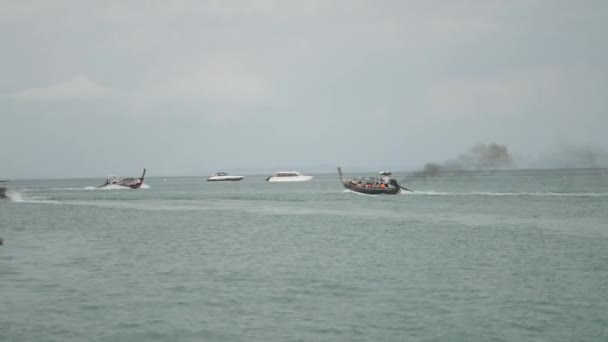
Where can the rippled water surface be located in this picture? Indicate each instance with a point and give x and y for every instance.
(488, 256)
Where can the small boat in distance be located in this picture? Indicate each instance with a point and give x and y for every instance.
(380, 185)
(224, 177)
(288, 176)
(133, 183)
(2, 189)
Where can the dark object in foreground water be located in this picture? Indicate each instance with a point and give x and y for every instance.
(372, 185)
(2, 190)
(1, 242)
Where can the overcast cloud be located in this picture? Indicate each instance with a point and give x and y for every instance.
(89, 88)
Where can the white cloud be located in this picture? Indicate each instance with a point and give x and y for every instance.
(215, 82)
(194, 71)
(78, 88)
(504, 93)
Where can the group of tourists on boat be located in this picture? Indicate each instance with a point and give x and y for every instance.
(370, 183)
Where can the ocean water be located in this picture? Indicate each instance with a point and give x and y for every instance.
(479, 256)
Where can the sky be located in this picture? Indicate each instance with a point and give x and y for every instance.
(188, 87)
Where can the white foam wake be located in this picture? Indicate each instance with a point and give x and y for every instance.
(358, 193)
(15, 196)
(116, 187)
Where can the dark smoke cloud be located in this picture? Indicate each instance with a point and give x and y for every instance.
(480, 157)
(572, 156)
(430, 170)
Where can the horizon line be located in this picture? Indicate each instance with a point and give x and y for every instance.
(326, 173)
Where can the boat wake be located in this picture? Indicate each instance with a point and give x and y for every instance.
(108, 187)
(16, 196)
(116, 187)
(539, 194)
(347, 191)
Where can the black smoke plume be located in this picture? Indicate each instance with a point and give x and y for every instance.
(572, 156)
(480, 157)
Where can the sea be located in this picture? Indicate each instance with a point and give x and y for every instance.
(471, 256)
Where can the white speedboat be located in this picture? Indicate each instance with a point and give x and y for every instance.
(288, 176)
(224, 177)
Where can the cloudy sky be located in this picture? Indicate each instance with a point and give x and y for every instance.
(89, 88)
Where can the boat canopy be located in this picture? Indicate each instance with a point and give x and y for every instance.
(287, 174)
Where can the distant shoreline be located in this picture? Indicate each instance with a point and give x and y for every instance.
(408, 172)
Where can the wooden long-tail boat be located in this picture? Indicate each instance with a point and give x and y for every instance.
(379, 185)
(133, 183)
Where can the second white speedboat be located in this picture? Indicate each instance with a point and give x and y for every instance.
(288, 176)
(224, 177)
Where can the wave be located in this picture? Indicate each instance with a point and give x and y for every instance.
(481, 193)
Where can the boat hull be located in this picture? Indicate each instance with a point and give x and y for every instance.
(135, 184)
(372, 191)
(225, 178)
(289, 179)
